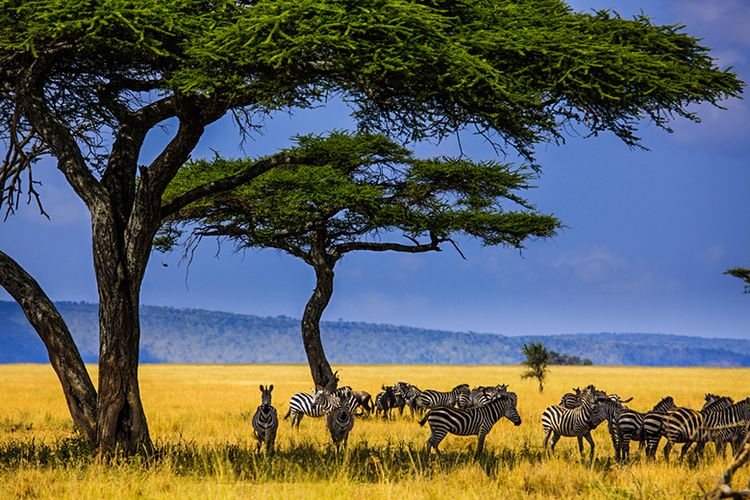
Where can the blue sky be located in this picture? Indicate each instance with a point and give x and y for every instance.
(648, 233)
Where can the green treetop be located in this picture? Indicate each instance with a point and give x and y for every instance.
(363, 192)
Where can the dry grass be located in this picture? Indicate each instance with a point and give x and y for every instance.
(199, 417)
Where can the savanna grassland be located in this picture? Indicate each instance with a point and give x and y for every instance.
(199, 416)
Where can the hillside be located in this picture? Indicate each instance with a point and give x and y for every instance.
(197, 336)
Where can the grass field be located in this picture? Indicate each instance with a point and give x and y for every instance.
(199, 417)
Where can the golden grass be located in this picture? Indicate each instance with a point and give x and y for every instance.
(199, 418)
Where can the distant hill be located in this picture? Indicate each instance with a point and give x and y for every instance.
(196, 336)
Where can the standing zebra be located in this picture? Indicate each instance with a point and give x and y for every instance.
(303, 403)
(724, 424)
(470, 422)
(265, 420)
(339, 419)
(630, 426)
(410, 393)
(571, 400)
(385, 401)
(685, 425)
(430, 399)
(558, 421)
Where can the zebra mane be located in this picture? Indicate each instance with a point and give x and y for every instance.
(718, 404)
(667, 401)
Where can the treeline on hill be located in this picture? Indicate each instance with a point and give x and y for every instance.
(196, 336)
(555, 358)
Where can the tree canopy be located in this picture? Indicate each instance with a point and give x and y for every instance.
(537, 359)
(364, 192)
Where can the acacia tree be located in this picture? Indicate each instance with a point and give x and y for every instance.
(367, 194)
(537, 359)
(85, 82)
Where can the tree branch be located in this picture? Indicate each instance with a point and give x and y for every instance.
(63, 353)
(432, 246)
(227, 183)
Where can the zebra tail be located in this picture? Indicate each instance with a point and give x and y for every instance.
(286, 417)
(424, 419)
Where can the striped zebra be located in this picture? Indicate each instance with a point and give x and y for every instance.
(630, 426)
(385, 401)
(481, 395)
(339, 419)
(470, 422)
(301, 404)
(430, 398)
(410, 393)
(608, 409)
(688, 426)
(725, 424)
(571, 400)
(265, 420)
(558, 421)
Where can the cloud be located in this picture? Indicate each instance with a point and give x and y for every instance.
(591, 265)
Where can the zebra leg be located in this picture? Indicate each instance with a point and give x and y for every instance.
(591, 443)
(480, 443)
(555, 439)
(435, 439)
(547, 434)
(667, 449)
(299, 418)
(625, 448)
(685, 449)
(580, 444)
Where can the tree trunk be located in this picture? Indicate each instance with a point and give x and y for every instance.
(121, 421)
(320, 369)
(44, 317)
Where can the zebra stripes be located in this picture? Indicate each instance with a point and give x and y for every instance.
(303, 403)
(265, 420)
(430, 398)
(469, 422)
(558, 421)
(631, 426)
(339, 419)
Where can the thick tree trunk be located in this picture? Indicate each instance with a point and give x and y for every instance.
(121, 421)
(63, 354)
(320, 369)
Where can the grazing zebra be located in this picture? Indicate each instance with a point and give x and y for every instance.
(688, 426)
(630, 426)
(558, 421)
(303, 403)
(384, 401)
(430, 398)
(410, 393)
(265, 420)
(470, 422)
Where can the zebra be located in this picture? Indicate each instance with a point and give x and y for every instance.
(339, 419)
(558, 421)
(630, 426)
(303, 403)
(725, 424)
(721, 437)
(365, 401)
(685, 425)
(265, 420)
(430, 398)
(384, 401)
(410, 393)
(470, 422)
(481, 395)
(608, 409)
(571, 400)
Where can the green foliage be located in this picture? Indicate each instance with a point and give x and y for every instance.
(555, 358)
(361, 188)
(520, 69)
(537, 359)
(741, 273)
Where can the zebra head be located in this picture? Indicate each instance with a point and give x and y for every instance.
(665, 404)
(605, 408)
(511, 412)
(326, 400)
(461, 389)
(265, 395)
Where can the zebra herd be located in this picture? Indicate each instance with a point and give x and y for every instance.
(461, 411)
(720, 420)
(473, 412)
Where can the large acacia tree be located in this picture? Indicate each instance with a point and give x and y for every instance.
(84, 82)
(365, 194)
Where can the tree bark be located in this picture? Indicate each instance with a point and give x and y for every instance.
(44, 317)
(320, 369)
(121, 420)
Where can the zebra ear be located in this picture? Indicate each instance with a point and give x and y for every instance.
(261, 388)
(270, 388)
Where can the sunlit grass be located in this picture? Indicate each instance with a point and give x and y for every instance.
(199, 417)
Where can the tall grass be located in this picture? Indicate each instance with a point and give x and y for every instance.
(199, 417)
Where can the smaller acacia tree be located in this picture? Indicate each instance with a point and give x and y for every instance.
(537, 359)
(365, 192)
